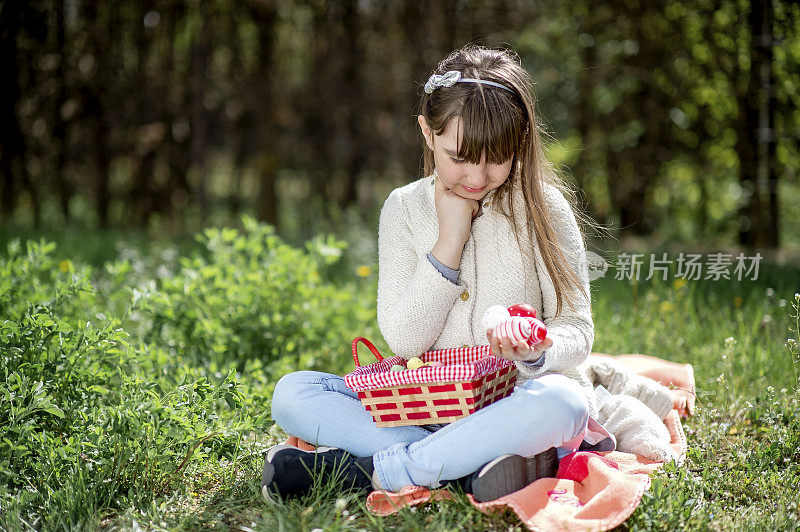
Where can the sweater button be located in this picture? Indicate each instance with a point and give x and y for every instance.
(464, 295)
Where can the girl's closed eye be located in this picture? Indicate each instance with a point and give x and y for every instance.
(457, 161)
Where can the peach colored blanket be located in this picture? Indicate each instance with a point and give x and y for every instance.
(592, 491)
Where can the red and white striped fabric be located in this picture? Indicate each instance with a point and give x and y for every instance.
(459, 364)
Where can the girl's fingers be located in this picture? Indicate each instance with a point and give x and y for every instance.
(475, 208)
(508, 349)
(523, 351)
(544, 344)
(440, 191)
(497, 347)
(504, 347)
(495, 343)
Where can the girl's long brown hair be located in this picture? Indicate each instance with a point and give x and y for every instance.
(504, 125)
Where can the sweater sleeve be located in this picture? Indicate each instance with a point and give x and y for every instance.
(572, 331)
(414, 299)
(449, 273)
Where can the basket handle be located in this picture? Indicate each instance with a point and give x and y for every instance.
(369, 345)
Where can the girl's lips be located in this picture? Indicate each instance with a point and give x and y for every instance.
(473, 190)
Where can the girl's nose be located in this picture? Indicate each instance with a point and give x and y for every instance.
(478, 177)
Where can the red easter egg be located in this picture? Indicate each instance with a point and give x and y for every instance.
(523, 309)
(538, 331)
(517, 329)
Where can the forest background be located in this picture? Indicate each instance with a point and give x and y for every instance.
(679, 121)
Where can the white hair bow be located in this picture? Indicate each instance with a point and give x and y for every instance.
(448, 79)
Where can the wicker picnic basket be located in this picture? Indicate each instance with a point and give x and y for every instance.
(469, 379)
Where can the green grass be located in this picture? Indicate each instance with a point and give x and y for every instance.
(742, 470)
(743, 466)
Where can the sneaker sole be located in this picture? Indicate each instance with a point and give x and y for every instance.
(543, 465)
(269, 471)
(509, 473)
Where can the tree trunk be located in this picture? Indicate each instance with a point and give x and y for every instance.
(266, 16)
(96, 112)
(102, 164)
(767, 139)
(176, 108)
(200, 51)
(755, 136)
(15, 18)
(449, 27)
(413, 19)
(58, 146)
(12, 143)
(322, 101)
(357, 103)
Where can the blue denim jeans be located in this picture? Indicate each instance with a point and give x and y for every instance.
(549, 411)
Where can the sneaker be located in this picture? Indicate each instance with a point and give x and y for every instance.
(509, 473)
(290, 472)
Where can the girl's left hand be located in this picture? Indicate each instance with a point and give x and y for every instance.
(523, 352)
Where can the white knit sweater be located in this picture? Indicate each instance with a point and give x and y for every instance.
(418, 309)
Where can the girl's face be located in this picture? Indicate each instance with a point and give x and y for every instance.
(470, 181)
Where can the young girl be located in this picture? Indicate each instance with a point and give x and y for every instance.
(488, 225)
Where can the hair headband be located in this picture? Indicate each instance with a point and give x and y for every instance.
(451, 77)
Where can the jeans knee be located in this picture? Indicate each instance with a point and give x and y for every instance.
(285, 400)
(568, 404)
(565, 403)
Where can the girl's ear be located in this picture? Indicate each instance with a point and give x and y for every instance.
(426, 131)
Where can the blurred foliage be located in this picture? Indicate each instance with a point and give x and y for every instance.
(82, 427)
(115, 382)
(250, 297)
(173, 116)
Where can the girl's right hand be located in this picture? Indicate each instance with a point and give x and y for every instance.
(455, 221)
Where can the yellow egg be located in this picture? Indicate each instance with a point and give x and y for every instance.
(414, 363)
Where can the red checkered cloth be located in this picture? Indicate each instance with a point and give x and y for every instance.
(460, 364)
